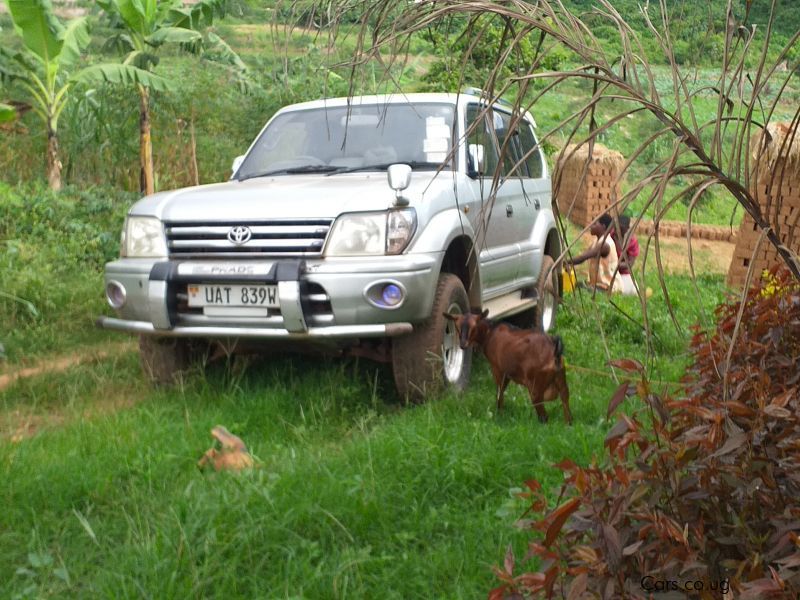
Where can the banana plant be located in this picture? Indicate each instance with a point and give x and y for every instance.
(49, 49)
(148, 25)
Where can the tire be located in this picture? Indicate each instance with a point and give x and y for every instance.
(166, 361)
(430, 359)
(543, 315)
(547, 290)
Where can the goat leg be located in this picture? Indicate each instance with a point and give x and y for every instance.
(565, 403)
(501, 390)
(537, 399)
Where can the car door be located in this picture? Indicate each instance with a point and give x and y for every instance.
(536, 196)
(520, 191)
(494, 226)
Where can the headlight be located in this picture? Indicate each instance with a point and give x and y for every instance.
(143, 237)
(372, 233)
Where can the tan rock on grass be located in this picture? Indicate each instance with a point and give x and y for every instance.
(232, 454)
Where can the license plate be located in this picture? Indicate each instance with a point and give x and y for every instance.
(233, 295)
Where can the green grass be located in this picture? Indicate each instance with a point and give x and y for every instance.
(355, 496)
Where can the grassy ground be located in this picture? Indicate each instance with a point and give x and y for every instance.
(355, 495)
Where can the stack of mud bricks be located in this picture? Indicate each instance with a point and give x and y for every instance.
(776, 188)
(783, 215)
(581, 198)
(714, 233)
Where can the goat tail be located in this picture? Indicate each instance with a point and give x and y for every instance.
(558, 345)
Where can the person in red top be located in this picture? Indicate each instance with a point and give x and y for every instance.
(620, 261)
(627, 258)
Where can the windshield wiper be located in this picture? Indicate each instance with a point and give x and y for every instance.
(294, 170)
(414, 164)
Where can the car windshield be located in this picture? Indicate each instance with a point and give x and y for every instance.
(345, 139)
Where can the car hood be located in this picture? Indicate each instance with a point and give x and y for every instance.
(287, 196)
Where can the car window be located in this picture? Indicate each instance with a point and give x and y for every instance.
(530, 149)
(478, 132)
(512, 154)
(353, 137)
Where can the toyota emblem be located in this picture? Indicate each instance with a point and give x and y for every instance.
(239, 235)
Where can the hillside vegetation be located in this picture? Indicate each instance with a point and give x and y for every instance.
(289, 63)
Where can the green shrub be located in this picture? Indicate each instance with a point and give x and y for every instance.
(52, 250)
(699, 489)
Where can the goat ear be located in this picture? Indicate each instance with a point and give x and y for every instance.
(485, 313)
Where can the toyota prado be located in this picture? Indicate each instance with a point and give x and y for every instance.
(351, 225)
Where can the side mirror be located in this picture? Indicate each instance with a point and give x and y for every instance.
(399, 177)
(237, 162)
(476, 153)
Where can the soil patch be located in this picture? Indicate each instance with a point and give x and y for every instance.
(710, 257)
(22, 422)
(62, 363)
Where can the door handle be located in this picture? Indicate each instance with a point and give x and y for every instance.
(536, 204)
(509, 210)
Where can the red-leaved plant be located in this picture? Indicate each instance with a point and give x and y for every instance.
(699, 494)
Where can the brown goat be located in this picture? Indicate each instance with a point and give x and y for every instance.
(525, 356)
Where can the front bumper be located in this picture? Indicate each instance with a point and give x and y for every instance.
(318, 299)
(333, 332)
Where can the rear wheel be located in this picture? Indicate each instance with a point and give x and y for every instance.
(165, 361)
(547, 289)
(543, 315)
(430, 358)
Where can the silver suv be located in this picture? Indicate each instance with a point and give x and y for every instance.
(352, 225)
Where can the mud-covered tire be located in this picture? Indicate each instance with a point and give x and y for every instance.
(543, 315)
(165, 361)
(429, 359)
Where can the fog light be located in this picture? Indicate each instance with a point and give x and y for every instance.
(392, 295)
(385, 294)
(116, 295)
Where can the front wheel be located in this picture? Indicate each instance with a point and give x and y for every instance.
(431, 358)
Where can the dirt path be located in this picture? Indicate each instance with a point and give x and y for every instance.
(709, 257)
(23, 422)
(57, 365)
(20, 424)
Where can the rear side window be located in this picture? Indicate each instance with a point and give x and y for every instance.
(513, 165)
(530, 149)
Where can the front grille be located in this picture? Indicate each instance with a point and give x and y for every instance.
(317, 305)
(295, 237)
